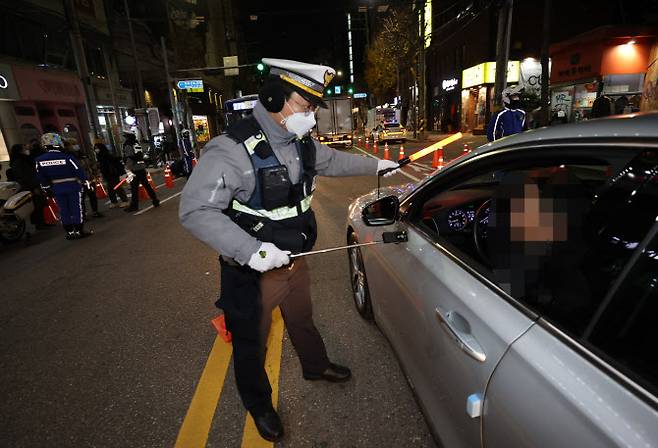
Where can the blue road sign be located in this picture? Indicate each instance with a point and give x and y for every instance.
(360, 95)
(189, 84)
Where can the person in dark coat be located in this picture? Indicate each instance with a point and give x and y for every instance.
(24, 172)
(111, 169)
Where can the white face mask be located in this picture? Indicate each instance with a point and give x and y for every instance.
(299, 123)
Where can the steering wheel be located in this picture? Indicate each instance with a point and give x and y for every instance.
(480, 225)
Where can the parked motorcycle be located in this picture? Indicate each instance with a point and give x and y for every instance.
(15, 210)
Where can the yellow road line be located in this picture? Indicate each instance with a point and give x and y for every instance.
(250, 436)
(196, 426)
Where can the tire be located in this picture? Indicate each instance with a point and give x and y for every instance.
(11, 232)
(358, 280)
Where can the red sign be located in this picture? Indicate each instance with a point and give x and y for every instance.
(48, 85)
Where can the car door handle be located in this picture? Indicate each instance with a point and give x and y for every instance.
(457, 327)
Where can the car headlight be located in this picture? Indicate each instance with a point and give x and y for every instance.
(322, 138)
(349, 136)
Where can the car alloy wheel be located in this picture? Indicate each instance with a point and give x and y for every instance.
(359, 281)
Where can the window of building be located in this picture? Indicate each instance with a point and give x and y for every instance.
(24, 111)
(46, 113)
(65, 113)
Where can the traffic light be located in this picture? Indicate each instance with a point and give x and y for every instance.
(350, 90)
(260, 67)
(328, 92)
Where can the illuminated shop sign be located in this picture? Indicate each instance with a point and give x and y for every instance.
(485, 73)
(449, 84)
(8, 90)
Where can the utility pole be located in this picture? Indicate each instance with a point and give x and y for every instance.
(114, 136)
(502, 49)
(422, 87)
(81, 63)
(170, 89)
(545, 68)
(138, 72)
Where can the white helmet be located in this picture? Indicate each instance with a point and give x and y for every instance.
(509, 92)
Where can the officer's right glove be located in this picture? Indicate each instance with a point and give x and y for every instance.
(269, 257)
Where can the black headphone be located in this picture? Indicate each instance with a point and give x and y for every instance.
(272, 96)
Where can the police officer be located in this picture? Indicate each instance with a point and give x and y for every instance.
(136, 165)
(249, 198)
(61, 175)
(511, 119)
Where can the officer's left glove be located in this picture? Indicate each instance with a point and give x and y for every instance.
(386, 164)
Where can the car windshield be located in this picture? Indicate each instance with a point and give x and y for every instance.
(392, 126)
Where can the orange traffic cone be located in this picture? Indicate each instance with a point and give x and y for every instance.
(194, 162)
(467, 149)
(401, 153)
(437, 160)
(367, 142)
(143, 195)
(169, 180)
(100, 191)
(375, 148)
(386, 155)
(220, 325)
(151, 183)
(50, 212)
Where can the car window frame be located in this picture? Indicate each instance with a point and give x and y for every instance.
(578, 345)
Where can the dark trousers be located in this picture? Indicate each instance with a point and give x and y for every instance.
(289, 289)
(112, 193)
(140, 178)
(70, 207)
(91, 194)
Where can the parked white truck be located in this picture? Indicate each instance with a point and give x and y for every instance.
(335, 124)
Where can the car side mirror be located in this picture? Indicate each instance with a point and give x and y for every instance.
(382, 212)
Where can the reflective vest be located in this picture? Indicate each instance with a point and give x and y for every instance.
(278, 211)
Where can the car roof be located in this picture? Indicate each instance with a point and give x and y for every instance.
(618, 127)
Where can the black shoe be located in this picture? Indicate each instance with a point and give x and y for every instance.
(98, 215)
(156, 202)
(130, 209)
(334, 374)
(269, 425)
(70, 236)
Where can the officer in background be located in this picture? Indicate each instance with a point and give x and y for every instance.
(61, 176)
(137, 167)
(249, 198)
(511, 119)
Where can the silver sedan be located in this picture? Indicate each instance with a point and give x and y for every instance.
(523, 303)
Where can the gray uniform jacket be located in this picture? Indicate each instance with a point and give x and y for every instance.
(225, 172)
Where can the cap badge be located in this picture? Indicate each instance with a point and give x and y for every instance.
(328, 77)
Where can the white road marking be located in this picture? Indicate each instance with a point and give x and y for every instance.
(161, 202)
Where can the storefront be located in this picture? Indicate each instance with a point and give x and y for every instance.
(445, 106)
(112, 123)
(477, 94)
(8, 95)
(50, 101)
(609, 62)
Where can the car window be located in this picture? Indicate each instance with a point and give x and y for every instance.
(550, 235)
(627, 330)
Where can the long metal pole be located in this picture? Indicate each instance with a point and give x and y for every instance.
(545, 67)
(502, 49)
(138, 72)
(83, 69)
(170, 89)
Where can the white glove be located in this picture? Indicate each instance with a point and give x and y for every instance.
(268, 257)
(386, 164)
(129, 176)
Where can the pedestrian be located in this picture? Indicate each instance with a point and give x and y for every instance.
(61, 176)
(91, 170)
(511, 119)
(24, 172)
(129, 143)
(136, 167)
(188, 152)
(111, 169)
(249, 198)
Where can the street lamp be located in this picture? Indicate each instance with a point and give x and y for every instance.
(339, 73)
